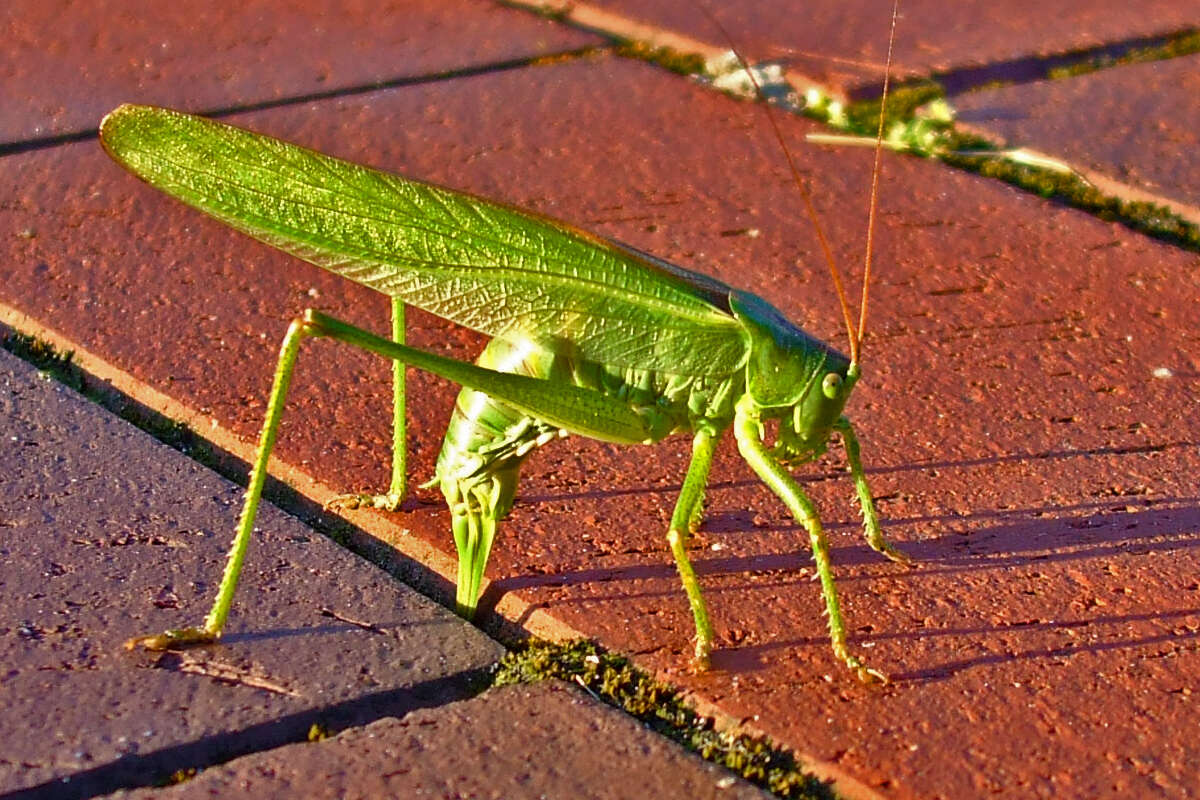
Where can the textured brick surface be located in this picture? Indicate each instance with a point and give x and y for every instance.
(845, 43)
(1141, 122)
(106, 534)
(65, 64)
(548, 740)
(1027, 414)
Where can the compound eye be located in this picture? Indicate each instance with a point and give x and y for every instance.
(832, 385)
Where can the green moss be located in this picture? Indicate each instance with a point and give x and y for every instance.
(674, 60)
(903, 103)
(318, 732)
(560, 13)
(910, 127)
(1181, 44)
(46, 357)
(179, 776)
(1069, 188)
(616, 681)
(570, 55)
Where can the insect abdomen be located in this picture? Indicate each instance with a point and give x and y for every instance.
(487, 440)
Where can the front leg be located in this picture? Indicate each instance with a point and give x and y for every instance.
(870, 520)
(747, 431)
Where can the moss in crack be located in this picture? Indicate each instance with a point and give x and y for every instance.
(910, 127)
(570, 55)
(61, 367)
(903, 104)
(615, 680)
(1185, 43)
(668, 58)
(178, 776)
(554, 13)
(46, 357)
(1071, 189)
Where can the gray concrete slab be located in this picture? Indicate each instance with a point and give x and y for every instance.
(105, 534)
(548, 740)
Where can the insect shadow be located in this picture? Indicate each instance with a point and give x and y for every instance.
(753, 658)
(839, 474)
(1016, 541)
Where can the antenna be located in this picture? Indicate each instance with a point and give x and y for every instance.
(887, 75)
(801, 183)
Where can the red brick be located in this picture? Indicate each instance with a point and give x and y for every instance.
(66, 64)
(845, 43)
(1137, 123)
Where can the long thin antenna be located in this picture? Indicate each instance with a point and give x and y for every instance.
(797, 177)
(887, 76)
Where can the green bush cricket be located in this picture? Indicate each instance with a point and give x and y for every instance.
(673, 351)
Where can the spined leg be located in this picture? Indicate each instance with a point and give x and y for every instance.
(398, 488)
(215, 621)
(688, 510)
(870, 520)
(772, 473)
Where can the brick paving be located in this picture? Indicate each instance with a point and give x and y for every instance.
(1028, 414)
(545, 740)
(845, 44)
(322, 638)
(1139, 129)
(110, 534)
(67, 64)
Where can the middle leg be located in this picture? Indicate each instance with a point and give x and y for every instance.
(685, 520)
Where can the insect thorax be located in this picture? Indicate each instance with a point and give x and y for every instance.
(786, 364)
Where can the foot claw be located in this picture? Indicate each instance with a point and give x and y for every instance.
(175, 639)
(703, 659)
(871, 677)
(892, 553)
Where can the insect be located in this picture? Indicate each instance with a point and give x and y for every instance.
(589, 337)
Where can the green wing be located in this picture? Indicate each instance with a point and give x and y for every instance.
(500, 271)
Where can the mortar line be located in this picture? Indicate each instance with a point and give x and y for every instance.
(664, 46)
(71, 137)
(1033, 68)
(621, 29)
